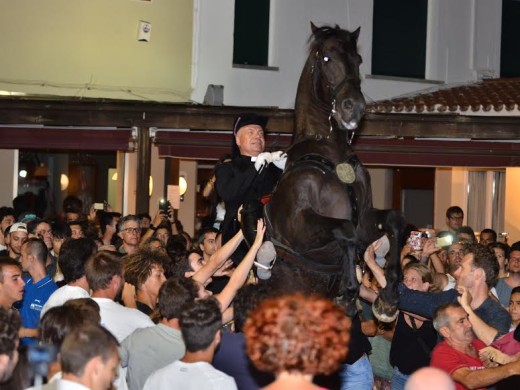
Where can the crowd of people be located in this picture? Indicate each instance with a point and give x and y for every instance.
(105, 300)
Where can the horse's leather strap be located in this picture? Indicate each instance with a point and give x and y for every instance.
(304, 262)
(290, 255)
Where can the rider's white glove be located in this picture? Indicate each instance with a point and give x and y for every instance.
(279, 159)
(262, 160)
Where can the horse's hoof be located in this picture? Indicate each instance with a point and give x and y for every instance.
(264, 257)
(383, 311)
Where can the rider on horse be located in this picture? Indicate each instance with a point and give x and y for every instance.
(248, 179)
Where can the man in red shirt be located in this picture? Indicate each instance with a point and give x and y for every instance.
(458, 353)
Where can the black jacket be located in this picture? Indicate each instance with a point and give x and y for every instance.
(238, 182)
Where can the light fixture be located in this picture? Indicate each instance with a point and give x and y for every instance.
(114, 176)
(23, 173)
(41, 171)
(64, 182)
(150, 186)
(183, 186)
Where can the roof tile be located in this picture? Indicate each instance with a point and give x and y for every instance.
(488, 96)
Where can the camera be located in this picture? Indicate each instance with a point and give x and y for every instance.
(40, 356)
(101, 206)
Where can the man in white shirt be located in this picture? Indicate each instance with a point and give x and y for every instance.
(104, 273)
(200, 326)
(89, 360)
(73, 256)
(147, 350)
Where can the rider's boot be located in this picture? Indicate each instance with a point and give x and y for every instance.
(251, 212)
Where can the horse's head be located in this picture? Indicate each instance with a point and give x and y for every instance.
(335, 74)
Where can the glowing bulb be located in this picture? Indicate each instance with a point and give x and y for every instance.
(183, 185)
(23, 173)
(64, 182)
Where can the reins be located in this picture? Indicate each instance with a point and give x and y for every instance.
(324, 106)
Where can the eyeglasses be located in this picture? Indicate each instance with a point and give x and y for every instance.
(456, 218)
(131, 230)
(516, 259)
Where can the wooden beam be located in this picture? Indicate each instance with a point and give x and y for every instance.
(116, 113)
(144, 153)
(440, 126)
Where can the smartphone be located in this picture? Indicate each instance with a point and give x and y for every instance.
(99, 206)
(444, 241)
(416, 240)
(164, 205)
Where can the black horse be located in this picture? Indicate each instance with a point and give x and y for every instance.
(320, 217)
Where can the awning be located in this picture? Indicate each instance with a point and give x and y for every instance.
(371, 150)
(65, 138)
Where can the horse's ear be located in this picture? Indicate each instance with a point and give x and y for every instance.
(313, 28)
(355, 34)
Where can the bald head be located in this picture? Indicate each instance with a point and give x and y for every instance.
(428, 378)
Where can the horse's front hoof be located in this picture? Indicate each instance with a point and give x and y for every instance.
(384, 312)
(264, 260)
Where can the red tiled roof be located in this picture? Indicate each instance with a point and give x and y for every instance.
(488, 97)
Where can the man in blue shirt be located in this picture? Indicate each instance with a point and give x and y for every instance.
(477, 274)
(38, 288)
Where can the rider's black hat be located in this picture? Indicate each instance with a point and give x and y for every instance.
(249, 119)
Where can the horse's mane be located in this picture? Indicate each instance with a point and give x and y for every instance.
(321, 34)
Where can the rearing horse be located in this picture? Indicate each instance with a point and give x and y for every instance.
(320, 216)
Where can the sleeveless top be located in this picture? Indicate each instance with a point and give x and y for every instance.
(406, 352)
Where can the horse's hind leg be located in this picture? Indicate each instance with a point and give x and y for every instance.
(344, 233)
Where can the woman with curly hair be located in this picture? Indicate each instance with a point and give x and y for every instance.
(296, 337)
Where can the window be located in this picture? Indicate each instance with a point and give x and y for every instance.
(399, 38)
(251, 34)
(510, 49)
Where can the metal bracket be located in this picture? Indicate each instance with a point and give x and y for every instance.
(153, 131)
(134, 133)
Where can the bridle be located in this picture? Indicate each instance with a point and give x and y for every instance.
(316, 75)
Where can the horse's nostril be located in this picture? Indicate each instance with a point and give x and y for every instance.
(348, 104)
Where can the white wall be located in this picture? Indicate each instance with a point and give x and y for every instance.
(512, 211)
(381, 180)
(89, 48)
(451, 189)
(8, 176)
(463, 36)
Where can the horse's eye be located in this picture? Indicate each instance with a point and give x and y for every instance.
(326, 59)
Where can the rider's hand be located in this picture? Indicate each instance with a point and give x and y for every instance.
(279, 159)
(262, 160)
